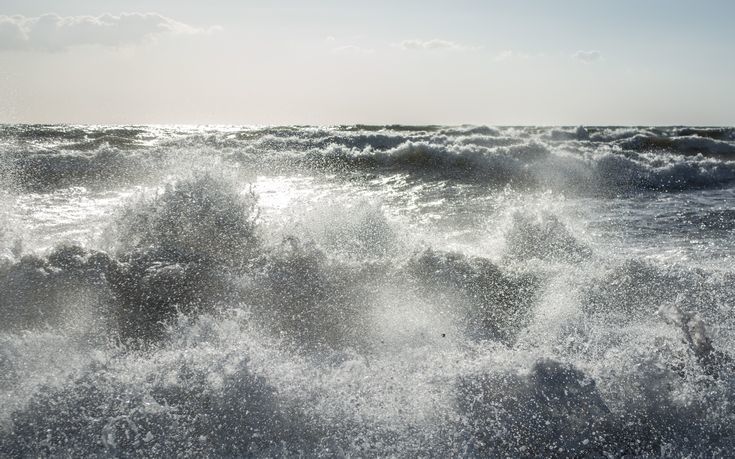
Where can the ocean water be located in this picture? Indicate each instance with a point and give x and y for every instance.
(423, 291)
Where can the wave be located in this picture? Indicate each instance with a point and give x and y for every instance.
(727, 133)
(43, 172)
(532, 166)
(358, 231)
(313, 302)
(544, 238)
(580, 133)
(636, 288)
(719, 219)
(203, 218)
(471, 130)
(492, 304)
(173, 254)
(45, 291)
(100, 413)
(520, 165)
(208, 321)
(202, 330)
(688, 145)
(462, 162)
(108, 140)
(579, 160)
(178, 250)
(196, 245)
(557, 410)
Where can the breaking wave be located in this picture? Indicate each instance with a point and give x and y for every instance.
(583, 160)
(378, 291)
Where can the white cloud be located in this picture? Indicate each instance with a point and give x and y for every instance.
(587, 56)
(51, 32)
(434, 44)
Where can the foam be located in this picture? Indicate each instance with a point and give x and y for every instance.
(46, 158)
(201, 324)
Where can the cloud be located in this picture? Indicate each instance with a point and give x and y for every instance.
(51, 32)
(434, 44)
(587, 56)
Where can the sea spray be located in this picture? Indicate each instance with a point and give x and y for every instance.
(369, 291)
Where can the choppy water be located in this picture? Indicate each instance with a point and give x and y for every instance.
(367, 291)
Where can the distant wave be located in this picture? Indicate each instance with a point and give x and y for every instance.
(580, 160)
(689, 145)
(534, 166)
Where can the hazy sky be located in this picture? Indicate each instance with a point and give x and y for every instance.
(329, 62)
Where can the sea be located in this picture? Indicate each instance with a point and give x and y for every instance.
(367, 291)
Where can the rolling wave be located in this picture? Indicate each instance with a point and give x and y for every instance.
(581, 160)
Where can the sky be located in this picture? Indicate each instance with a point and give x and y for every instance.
(565, 62)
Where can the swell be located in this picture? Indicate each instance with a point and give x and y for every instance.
(586, 160)
(533, 166)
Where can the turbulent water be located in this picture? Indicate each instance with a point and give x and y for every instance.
(367, 291)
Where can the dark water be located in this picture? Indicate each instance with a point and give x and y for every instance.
(367, 291)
